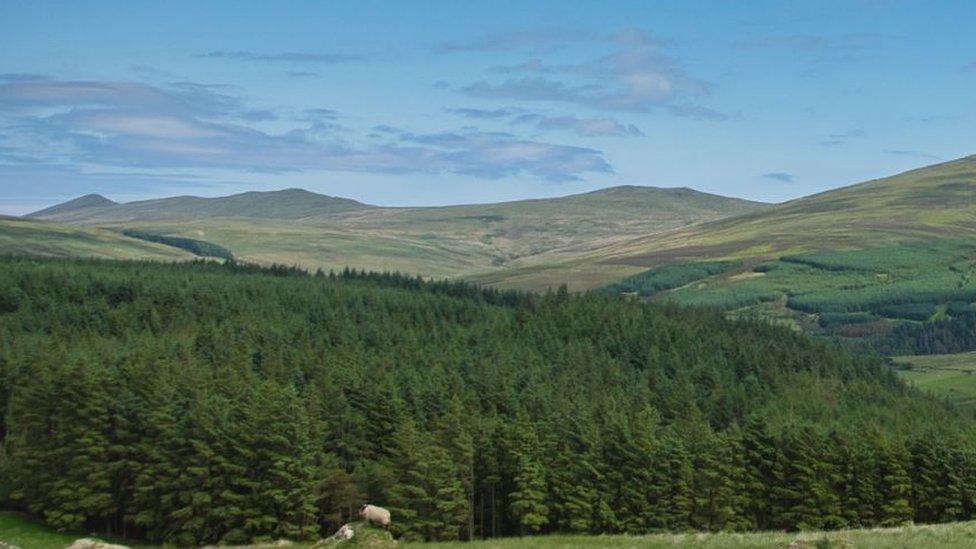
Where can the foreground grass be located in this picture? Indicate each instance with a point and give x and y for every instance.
(17, 531)
(20, 532)
(951, 376)
(961, 534)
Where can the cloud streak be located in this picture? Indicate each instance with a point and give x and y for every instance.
(484, 114)
(814, 49)
(585, 127)
(782, 177)
(911, 154)
(283, 57)
(533, 40)
(842, 138)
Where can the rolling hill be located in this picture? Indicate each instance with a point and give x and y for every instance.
(314, 231)
(855, 260)
(286, 204)
(43, 238)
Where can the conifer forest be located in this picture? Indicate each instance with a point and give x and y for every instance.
(199, 403)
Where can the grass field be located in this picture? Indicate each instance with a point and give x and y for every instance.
(951, 376)
(16, 531)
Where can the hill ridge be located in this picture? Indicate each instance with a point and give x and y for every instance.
(291, 203)
(90, 200)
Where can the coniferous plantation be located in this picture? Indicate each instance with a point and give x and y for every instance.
(207, 403)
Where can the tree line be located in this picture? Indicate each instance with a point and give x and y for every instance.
(205, 403)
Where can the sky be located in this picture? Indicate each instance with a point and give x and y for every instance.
(432, 103)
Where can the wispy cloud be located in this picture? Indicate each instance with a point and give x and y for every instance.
(21, 77)
(495, 154)
(259, 115)
(484, 113)
(815, 49)
(582, 126)
(189, 126)
(586, 127)
(539, 39)
(179, 97)
(842, 138)
(911, 154)
(782, 177)
(636, 76)
(283, 57)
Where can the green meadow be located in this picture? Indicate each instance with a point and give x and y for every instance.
(951, 376)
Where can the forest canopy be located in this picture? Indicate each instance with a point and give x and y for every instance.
(221, 403)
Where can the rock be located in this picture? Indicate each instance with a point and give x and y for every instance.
(364, 534)
(90, 543)
(344, 533)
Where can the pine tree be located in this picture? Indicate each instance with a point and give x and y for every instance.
(455, 437)
(759, 449)
(527, 499)
(672, 498)
(572, 459)
(80, 495)
(280, 469)
(894, 485)
(427, 499)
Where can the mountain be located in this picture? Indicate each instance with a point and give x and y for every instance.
(859, 260)
(287, 204)
(301, 228)
(88, 202)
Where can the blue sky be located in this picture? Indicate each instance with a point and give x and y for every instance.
(417, 103)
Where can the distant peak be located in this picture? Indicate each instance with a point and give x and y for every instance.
(82, 202)
(92, 199)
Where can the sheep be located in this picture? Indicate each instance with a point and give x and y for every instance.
(375, 515)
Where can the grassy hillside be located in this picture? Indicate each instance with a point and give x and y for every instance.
(442, 242)
(28, 237)
(950, 376)
(857, 261)
(905, 211)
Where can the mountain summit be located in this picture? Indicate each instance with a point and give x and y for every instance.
(87, 202)
(284, 204)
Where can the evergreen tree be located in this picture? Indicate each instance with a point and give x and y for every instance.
(527, 499)
(894, 485)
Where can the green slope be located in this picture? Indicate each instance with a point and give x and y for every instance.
(950, 376)
(446, 241)
(903, 216)
(29, 237)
